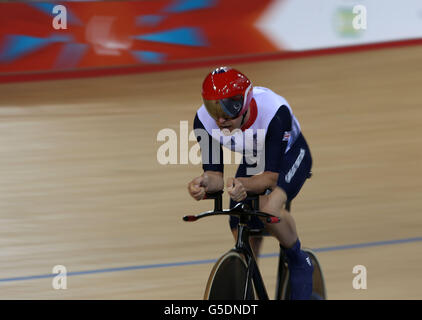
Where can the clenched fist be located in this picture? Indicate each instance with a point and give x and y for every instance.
(198, 187)
(236, 189)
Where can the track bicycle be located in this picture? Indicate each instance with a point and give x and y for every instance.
(235, 275)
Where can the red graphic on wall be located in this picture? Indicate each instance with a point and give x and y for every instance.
(116, 34)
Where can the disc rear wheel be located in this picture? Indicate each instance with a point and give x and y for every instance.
(228, 279)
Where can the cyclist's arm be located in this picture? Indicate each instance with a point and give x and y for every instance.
(259, 183)
(212, 167)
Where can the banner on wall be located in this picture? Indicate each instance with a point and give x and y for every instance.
(298, 25)
(107, 34)
(56, 36)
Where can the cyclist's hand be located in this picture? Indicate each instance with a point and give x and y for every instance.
(198, 187)
(236, 189)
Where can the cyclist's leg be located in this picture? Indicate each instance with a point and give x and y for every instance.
(255, 242)
(285, 231)
(295, 169)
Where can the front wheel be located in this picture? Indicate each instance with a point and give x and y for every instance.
(228, 279)
(318, 284)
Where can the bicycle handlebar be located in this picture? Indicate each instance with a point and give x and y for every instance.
(240, 209)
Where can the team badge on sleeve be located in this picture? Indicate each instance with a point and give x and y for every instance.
(286, 136)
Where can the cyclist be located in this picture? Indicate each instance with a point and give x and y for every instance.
(234, 110)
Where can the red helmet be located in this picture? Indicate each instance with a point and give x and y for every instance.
(227, 93)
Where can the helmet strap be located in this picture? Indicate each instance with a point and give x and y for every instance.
(246, 97)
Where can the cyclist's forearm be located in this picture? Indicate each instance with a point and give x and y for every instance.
(259, 183)
(215, 181)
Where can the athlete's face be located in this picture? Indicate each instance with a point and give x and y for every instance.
(220, 117)
(229, 123)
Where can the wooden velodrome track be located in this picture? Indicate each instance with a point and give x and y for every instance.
(80, 184)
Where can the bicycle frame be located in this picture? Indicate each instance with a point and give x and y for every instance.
(242, 246)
